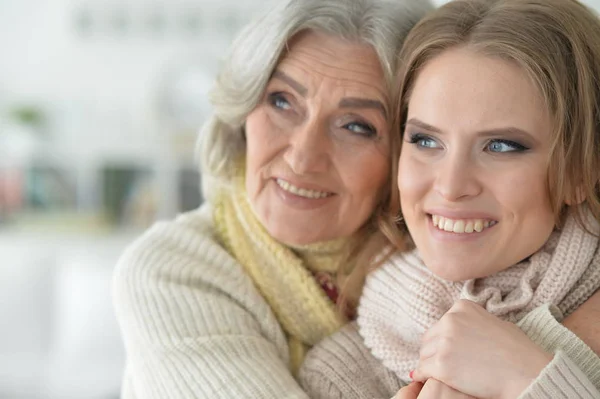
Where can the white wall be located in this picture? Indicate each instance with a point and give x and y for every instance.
(593, 3)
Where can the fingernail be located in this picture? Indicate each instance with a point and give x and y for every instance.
(410, 375)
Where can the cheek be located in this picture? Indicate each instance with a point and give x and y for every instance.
(366, 177)
(254, 132)
(525, 191)
(412, 181)
(257, 150)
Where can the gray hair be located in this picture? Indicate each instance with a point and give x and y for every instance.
(383, 24)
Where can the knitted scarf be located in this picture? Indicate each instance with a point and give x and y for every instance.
(403, 299)
(283, 275)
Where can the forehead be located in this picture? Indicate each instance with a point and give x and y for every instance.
(321, 56)
(469, 91)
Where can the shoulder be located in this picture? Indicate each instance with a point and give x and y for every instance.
(187, 233)
(177, 270)
(186, 244)
(387, 286)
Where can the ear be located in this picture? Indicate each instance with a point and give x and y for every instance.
(577, 197)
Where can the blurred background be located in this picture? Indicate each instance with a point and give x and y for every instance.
(100, 104)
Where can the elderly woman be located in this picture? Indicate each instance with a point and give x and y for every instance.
(499, 184)
(297, 164)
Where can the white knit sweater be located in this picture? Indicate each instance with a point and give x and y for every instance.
(194, 325)
(342, 367)
(403, 299)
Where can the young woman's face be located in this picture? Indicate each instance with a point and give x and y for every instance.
(474, 164)
(318, 142)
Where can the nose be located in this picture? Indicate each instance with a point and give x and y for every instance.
(457, 177)
(308, 148)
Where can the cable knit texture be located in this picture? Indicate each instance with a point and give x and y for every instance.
(283, 275)
(403, 299)
(194, 323)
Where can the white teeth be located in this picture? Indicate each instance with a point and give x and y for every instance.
(469, 227)
(461, 226)
(448, 224)
(301, 192)
(478, 226)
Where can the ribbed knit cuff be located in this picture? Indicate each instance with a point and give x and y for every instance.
(575, 370)
(561, 379)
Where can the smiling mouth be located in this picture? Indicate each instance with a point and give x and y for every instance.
(301, 192)
(461, 226)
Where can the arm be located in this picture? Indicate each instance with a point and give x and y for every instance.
(193, 324)
(541, 359)
(341, 366)
(561, 379)
(585, 322)
(574, 371)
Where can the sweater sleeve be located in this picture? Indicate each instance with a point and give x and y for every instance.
(341, 366)
(193, 324)
(574, 371)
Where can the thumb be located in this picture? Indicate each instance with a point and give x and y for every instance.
(420, 374)
(411, 391)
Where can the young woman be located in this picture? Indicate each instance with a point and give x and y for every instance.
(499, 182)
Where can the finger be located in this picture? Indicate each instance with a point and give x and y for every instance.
(466, 306)
(427, 351)
(446, 324)
(411, 391)
(431, 368)
(431, 334)
(434, 389)
(436, 330)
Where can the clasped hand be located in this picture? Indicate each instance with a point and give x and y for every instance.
(471, 353)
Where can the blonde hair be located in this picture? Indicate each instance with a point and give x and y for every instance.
(557, 43)
(382, 24)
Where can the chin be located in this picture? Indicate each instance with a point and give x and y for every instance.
(291, 238)
(450, 272)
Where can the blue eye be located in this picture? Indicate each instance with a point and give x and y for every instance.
(363, 129)
(278, 101)
(502, 146)
(423, 141)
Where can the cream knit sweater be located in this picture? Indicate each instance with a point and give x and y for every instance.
(403, 299)
(343, 367)
(194, 325)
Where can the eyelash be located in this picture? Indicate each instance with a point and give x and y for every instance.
(518, 147)
(273, 98)
(415, 138)
(369, 131)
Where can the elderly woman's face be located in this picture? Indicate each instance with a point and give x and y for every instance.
(318, 141)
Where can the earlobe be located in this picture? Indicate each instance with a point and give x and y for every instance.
(577, 197)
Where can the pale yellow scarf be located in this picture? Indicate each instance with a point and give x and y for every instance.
(282, 274)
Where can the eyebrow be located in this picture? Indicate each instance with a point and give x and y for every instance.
(290, 81)
(346, 102)
(484, 133)
(355, 102)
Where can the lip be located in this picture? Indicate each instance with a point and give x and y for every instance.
(460, 214)
(301, 203)
(449, 236)
(304, 185)
(442, 235)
